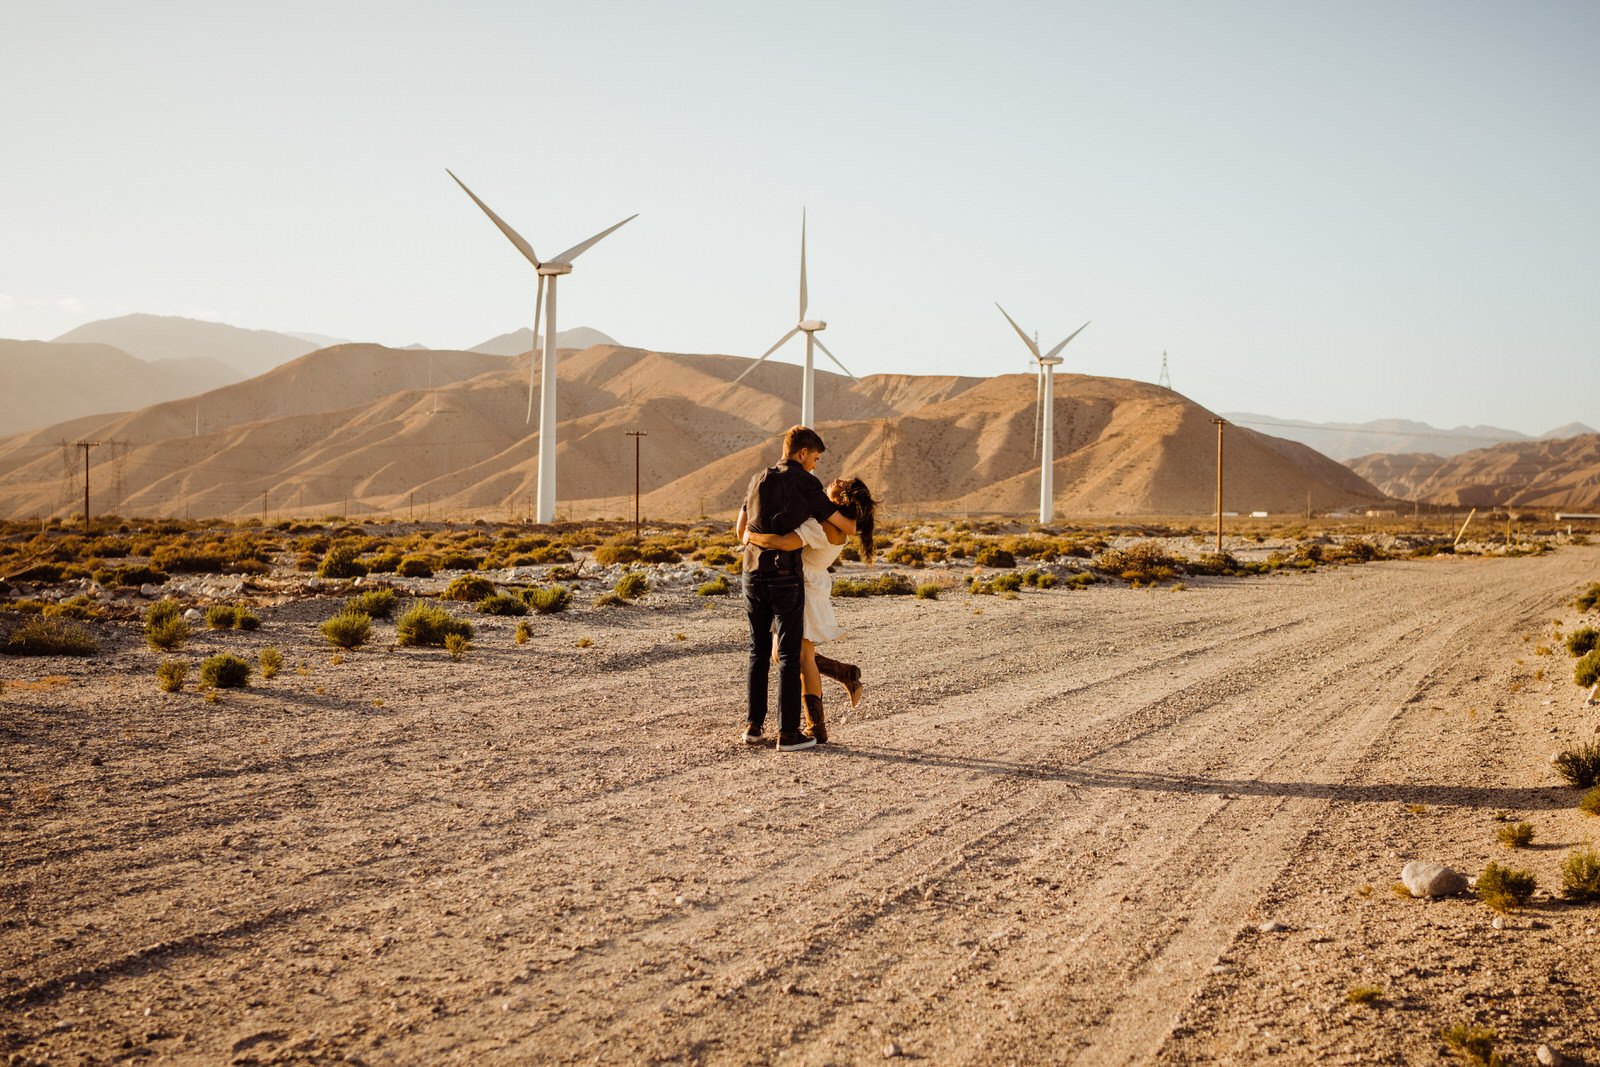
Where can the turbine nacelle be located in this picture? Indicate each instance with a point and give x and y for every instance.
(1051, 361)
(812, 325)
(554, 270)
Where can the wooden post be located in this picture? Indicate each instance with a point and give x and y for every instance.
(1220, 424)
(86, 445)
(636, 434)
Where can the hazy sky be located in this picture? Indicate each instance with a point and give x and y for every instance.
(1326, 211)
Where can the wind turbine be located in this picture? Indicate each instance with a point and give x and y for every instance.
(545, 297)
(1044, 415)
(809, 327)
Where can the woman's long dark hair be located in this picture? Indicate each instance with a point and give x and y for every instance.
(860, 506)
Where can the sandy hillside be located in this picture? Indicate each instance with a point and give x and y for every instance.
(249, 352)
(43, 383)
(1109, 826)
(375, 430)
(1562, 473)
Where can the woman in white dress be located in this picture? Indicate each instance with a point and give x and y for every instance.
(820, 544)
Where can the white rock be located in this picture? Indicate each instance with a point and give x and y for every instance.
(1498, 923)
(1273, 927)
(148, 590)
(313, 583)
(193, 614)
(1549, 1056)
(1426, 879)
(891, 1050)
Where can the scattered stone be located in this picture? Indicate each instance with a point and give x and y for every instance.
(1273, 927)
(1549, 1056)
(1224, 968)
(193, 615)
(1499, 923)
(97, 762)
(891, 1050)
(788, 989)
(1426, 879)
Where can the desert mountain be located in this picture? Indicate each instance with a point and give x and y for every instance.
(1571, 429)
(519, 341)
(45, 382)
(1346, 440)
(152, 337)
(1559, 473)
(361, 423)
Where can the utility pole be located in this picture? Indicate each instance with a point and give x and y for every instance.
(1220, 424)
(263, 507)
(86, 445)
(1166, 379)
(636, 434)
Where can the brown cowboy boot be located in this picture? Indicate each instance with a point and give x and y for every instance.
(846, 674)
(814, 725)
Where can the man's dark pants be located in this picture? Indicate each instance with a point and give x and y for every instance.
(768, 598)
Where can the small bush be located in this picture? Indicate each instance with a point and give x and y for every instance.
(717, 586)
(616, 550)
(888, 584)
(456, 560)
(1502, 888)
(524, 632)
(1517, 835)
(502, 604)
(1007, 583)
(1580, 876)
(231, 617)
(1588, 598)
(609, 600)
(928, 591)
(1587, 672)
(342, 562)
(170, 675)
(1363, 994)
(384, 562)
(50, 637)
(469, 587)
(374, 603)
(164, 626)
(1580, 764)
(129, 576)
(1474, 1044)
(1081, 580)
(548, 599)
(718, 556)
(348, 629)
(1582, 641)
(414, 567)
(186, 559)
(429, 625)
(224, 671)
(79, 607)
(1590, 804)
(271, 662)
(632, 585)
(994, 556)
(456, 645)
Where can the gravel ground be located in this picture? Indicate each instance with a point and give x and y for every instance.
(1052, 833)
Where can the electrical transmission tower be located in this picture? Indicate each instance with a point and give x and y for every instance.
(1165, 380)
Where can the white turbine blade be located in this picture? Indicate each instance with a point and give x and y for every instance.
(1025, 338)
(1068, 341)
(533, 351)
(516, 238)
(1038, 410)
(767, 353)
(804, 302)
(579, 249)
(833, 357)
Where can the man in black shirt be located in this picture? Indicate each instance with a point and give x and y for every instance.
(778, 501)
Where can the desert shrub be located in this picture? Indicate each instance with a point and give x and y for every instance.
(1579, 764)
(905, 554)
(42, 573)
(1517, 835)
(456, 645)
(79, 607)
(271, 662)
(187, 559)
(1580, 642)
(27, 606)
(342, 561)
(224, 671)
(1588, 598)
(616, 550)
(502, 604)
(1587, 670)
(231, 617)
(928, 591)
(887, 584)
(1580, 875)
(1143, 562)
(1007, 583)
(170, 675)
(1363, 994)
(1031, 547)
(415, 567)
(658, 553)
(632, 585)
(609, 600)
(1590, 803)
(468, 587)
(50, 637)
(995, 556)
(548, 599)
(164, 625)
(717, 556)
(1214, 563)
(429, 624)
(129, 576)
(456, 560)
(1356, 551)
(348, 629)
(1474, 1044)
(1081, 580)
(1502, 888)
(524, 632)
(376, 603)
(717, 586)
(384, 562)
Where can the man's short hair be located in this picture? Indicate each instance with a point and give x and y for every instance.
(800, 437)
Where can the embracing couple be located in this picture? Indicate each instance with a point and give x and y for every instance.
(793, 530)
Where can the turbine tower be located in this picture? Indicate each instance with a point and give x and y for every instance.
(809, 327)
(1044, 416)
(546, 298)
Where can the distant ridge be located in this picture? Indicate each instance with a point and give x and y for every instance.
(1347, 440)
(1553, 473)
(379, 431)
(519, 341)
(152, 337)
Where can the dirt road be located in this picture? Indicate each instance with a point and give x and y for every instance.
(1051, 834)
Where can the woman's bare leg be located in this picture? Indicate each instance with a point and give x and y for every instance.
(810, 677)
